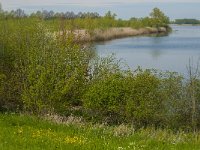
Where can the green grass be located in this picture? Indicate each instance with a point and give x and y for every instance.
(29, 132)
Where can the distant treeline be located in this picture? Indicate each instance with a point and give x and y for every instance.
(86, 20)
(156, 18)
(45, 14)
(186, 21)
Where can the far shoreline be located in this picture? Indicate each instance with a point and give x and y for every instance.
(186, 24)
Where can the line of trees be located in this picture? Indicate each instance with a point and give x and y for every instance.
(91, 23)
(156, 19)
(186, 21)
(67, 15)
(45, 14)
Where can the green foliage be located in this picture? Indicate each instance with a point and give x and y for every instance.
(176, 110)
(55, 72)
(1, 9)
(144, 98)
(105, 85)
(187, 21)
(144, 101)
(43, 71)
(10, 60)
(107, 94)
(197, 98)
(2, 80)
(90, 21)
(109, 15)
(133, 96)
(159, 18)
(2, 77)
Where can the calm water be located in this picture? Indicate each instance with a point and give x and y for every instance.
(170, 52)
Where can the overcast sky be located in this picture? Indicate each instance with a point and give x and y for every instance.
(123, 8)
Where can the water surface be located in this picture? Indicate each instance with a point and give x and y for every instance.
(171, 52)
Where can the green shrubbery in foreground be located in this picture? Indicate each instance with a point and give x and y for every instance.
(26, 132)
(45, 73)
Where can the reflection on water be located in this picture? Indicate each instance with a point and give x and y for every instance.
(156, 53)
(171, 52)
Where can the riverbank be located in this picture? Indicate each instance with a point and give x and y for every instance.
(113, 33)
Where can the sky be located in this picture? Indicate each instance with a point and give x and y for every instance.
(123, 8)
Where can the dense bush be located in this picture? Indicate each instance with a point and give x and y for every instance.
(2, 78)
(42, 70)
(55, 73)
(144, 101)
(135, 97)
(144, 98)
(107, 94)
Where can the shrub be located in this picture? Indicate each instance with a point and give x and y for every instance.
(107, 94)
(135, 97)
(176, 112)
(2, 79)
(54, 72)
(10, 60)
(43, 71)
(144, 102)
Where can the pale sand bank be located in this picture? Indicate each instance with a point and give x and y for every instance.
(113, 33)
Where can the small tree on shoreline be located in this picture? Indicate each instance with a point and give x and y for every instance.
(159, 18)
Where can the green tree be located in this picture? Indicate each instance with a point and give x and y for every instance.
(1, 7)
(110, 15)
(159, 18)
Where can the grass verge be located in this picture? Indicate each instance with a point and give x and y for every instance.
(20, 132)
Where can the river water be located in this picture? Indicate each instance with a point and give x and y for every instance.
(167, 53)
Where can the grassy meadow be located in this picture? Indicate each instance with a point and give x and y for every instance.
(33, 133)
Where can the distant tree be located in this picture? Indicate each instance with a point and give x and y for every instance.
(80, 15)
(69, 15)
(51, 14)
(59, 15)
(38, 14)
(19, 13)
(133, 19)
(110, 15)
(159, 17)
(72, 15)
(1, 9)
(45, 14)
(96, 15)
